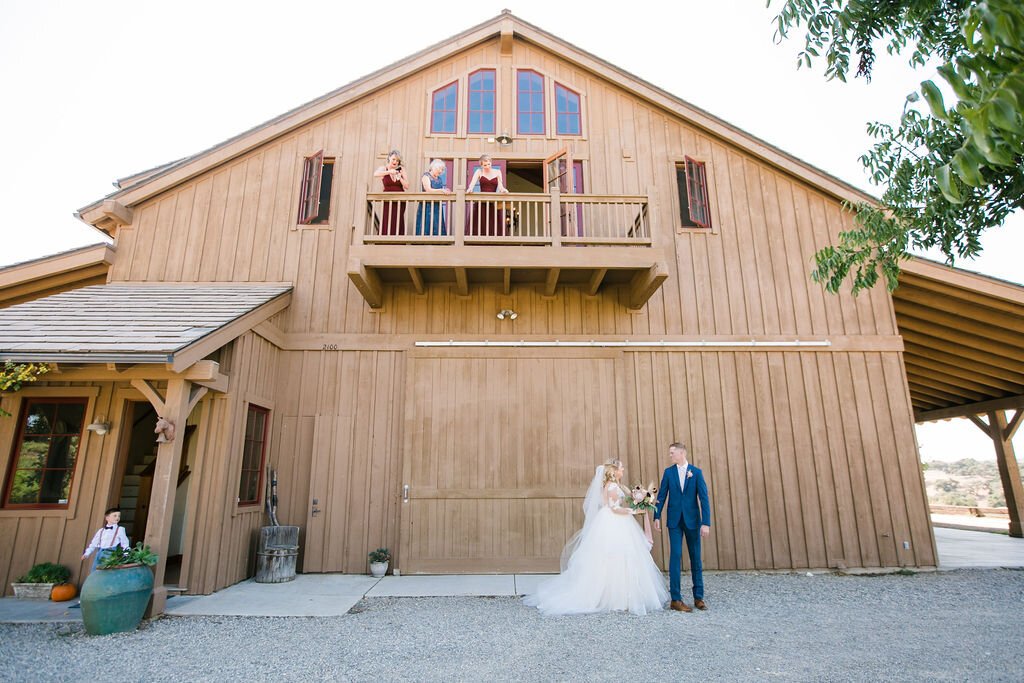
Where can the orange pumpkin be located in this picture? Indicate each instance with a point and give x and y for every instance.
(63, 591)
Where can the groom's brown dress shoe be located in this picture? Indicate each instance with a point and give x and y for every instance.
(680, 606)
(700, 604)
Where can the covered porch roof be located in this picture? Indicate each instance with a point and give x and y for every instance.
(175, 324)
(963, 336)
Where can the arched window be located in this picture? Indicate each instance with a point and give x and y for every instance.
(529, 102)
(567, 111)
(443, 108)
(482, 98)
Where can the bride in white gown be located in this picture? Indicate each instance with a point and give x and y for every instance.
(607, 565)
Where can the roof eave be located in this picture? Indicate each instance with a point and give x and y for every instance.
(504, 23)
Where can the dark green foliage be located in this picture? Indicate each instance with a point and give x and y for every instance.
(46, 572)
(138, 554)
(949, 173)
(379, 555)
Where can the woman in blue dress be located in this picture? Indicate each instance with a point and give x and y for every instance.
(430, 216)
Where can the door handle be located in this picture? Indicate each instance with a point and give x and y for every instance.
(405, 493)
(316, 510)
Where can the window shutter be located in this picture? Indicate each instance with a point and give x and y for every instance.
(309, 195)
(697, 192)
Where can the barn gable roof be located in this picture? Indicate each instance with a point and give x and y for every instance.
(135, 189)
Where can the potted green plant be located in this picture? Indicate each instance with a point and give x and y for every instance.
(114, 597)
(40, 580)
(379, 559)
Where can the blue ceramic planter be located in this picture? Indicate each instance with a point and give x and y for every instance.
(114, 600)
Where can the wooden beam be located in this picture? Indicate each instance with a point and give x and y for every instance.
(954, 277)
(503, 256)
(417, 280)
(165, 484)
(220, 384)
(928, 341)
(922, 379)
(195, 395)
(204, 346)
(506, 281)
(645, 284)
(151, 394)
(1011, 428)
(987, 385)
(973, 309)
(1009, 471)
(981, 424)
(959, 324)
(367, 282)
(958, 336)
(979, 372)
(594, 284)
(1008, 403)
(461, 282)
(206, 371)
(551, 281)
(116, 212)
(925, 390)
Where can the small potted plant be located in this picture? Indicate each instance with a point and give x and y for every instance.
(379, 559)
(114, 597)
(40, 580)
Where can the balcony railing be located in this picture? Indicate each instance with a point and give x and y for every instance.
(465, 218)
(422, 239)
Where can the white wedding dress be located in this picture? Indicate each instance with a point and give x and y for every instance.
(606, 566)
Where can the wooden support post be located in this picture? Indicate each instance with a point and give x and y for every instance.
(555, 214)
(459, 219)
(1009, 472)
(461, 281)
(645, 284)
(551, 282)
(417, 280)
(367, 282)
(165, 484)
(595, 281)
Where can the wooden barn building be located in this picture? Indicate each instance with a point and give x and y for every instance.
(447, 392)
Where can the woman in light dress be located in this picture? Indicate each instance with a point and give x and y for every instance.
(607, 565)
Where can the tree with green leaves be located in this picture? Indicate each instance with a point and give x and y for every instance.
(950, 170)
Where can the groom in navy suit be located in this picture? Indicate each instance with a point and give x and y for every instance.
(689, 515)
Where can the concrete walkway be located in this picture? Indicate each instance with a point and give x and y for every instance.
(320, 595)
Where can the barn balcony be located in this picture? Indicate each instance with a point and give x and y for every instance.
(467, 239)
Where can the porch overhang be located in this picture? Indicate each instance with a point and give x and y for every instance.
(126, 324)
(374, 267)
(963, 336)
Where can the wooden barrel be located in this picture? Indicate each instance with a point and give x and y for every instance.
(276, 563)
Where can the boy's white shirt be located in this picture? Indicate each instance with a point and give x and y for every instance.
(107, 538)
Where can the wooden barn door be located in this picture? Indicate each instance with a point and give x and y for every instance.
(500, 446)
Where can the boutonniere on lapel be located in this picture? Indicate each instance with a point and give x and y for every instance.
(689, 474)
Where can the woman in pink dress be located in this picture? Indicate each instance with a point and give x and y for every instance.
(486, 218)
(393, 177)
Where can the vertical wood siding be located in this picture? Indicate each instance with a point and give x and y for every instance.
(810, 457)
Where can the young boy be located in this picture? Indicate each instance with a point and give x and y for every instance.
(107, 537)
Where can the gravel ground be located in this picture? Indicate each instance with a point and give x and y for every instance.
(948, 626)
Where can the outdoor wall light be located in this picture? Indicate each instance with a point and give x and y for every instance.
(504, 138)
(100, 426)
(507, 313)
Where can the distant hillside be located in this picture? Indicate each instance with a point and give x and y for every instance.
(964, 482)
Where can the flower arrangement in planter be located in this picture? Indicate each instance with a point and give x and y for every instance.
(114, 597)
(379, 559)
(40, 580)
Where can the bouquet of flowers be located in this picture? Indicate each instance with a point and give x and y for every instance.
(644, 499)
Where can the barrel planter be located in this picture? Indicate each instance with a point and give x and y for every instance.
(114, 600)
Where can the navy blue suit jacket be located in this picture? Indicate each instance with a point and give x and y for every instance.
(683, 498)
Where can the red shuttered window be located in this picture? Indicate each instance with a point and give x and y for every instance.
(692, 182)
(254, 453)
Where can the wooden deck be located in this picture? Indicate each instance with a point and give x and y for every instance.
(463, 239)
